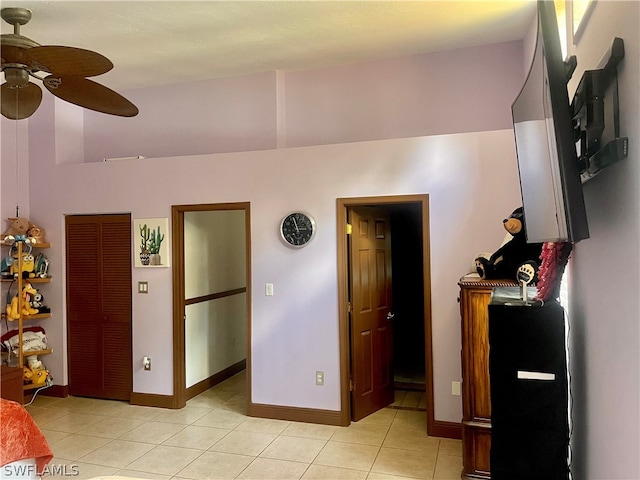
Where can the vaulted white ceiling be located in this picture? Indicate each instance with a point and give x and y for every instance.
(164, 42)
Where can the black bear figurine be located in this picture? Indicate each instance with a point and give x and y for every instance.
(505, 261)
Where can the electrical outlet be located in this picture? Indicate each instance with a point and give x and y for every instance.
(320, 378)
(455, 388)
(146, 361)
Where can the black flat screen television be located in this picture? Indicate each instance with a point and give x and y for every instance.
(545, 143)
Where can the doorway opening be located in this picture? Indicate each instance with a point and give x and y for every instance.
(411, 288)
(409, 364)
(211, 296)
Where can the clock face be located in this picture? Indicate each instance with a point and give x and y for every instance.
(297, 229)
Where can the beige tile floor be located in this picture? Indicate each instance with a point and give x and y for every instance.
(211, 438)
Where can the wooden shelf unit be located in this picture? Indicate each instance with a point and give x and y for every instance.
(20, 282)
(30, 280)
(46, 351)
(35, 245)
(37, 316)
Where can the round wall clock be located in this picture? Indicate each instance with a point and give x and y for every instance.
(297, 229)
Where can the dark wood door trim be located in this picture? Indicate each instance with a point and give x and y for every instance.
(342, 256)
(179, 398)
(179, 361)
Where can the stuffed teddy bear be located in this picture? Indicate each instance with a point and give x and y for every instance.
(18, 226)
(36, 233)
(505, 261)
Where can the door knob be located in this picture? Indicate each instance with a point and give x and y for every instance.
(390, 315)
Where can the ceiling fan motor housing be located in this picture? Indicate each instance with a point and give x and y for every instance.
(16, 77)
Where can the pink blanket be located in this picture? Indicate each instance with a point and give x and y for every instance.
(20, 437)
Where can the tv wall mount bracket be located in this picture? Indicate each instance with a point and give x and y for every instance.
(590, 108)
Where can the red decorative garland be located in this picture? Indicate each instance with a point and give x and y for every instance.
(555, 256)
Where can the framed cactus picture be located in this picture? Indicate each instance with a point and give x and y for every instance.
(151, 244)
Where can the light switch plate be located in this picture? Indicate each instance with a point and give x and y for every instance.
(455, 388)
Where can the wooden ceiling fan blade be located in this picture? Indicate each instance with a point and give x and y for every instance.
(18, 103)
(68, 61)
(89, 94)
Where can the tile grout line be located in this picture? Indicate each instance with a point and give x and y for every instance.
(380, 447)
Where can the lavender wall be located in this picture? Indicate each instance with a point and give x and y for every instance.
(605, 326)
(457, 91)
(14, 171)
(214, 116)
(430, 94)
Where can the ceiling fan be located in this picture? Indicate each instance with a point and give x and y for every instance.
(66, 69)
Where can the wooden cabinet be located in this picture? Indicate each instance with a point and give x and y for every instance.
(11, 388)
(20, 250)
(475, 295)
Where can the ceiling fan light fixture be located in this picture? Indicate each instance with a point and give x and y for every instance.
(22, 57)
(19, 103)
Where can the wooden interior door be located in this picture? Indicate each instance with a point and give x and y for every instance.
(371, 317)
(98, 251)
